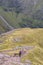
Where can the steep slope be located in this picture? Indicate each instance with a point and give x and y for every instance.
(4, 26)
(24, 37)
(31, 15)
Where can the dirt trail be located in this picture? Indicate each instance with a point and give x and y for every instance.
(10, 60)
(21, 48)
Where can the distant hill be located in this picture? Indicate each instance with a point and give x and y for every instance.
(22, 13)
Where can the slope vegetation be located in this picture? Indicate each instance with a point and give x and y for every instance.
(24, 37)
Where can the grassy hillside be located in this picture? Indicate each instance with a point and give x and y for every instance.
(11, 18)
(2, 29)
(4, 26)
(24, 37)
(32, 16)
(31, 10)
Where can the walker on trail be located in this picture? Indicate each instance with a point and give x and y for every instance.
(20, 53)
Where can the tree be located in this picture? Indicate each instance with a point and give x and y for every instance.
(13, 5)
(18, 7)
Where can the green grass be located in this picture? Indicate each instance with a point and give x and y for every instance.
(2, 29)
(11, 18)
(21, 21)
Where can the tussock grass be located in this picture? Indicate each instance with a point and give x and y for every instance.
(24, 37)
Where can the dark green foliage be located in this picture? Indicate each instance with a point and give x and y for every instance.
(38, 15)
(26, 23)
(18, 7)
(13, 10)
(32, 23)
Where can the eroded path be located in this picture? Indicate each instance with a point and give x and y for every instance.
(14, 60)
(7, 60)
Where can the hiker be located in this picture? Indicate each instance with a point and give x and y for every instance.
(20, 53)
